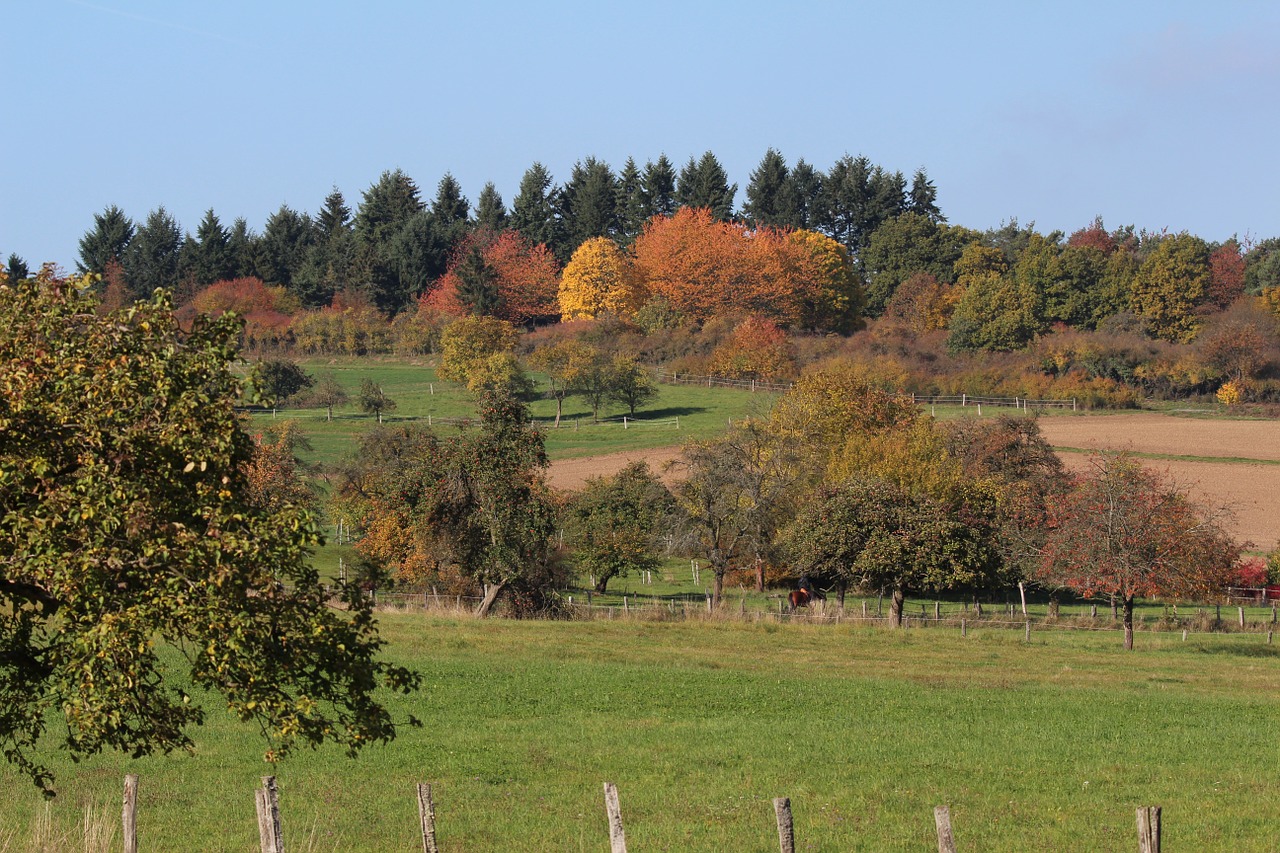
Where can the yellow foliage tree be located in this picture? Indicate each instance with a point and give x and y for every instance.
(477, 352)
(600, 279)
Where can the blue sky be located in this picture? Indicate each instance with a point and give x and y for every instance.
(1157, 114)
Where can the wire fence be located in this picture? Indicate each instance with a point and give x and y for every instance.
(722, 382)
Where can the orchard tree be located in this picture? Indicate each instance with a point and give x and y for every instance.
(562, 362)
(471, 348)
(630, 384)
(1130, 532)
(127, 532)
(875, 534)
(373, 400)
(614, 523)
(329, 393)
(279, 379)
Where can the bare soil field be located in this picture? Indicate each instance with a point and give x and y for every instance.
(1252, 491)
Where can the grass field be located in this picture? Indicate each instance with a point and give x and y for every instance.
(1048, 745)
(419, 396)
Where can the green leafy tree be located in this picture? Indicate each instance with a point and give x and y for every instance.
(631, 385)
(278, 379)
(1172, 281)
(478, 352)
(1127, 531)
(329, 393)
(615, 521)
(475, 506)
(996, 313)
(904, 246)
(875, 534)
(126, 532)
(373, 400)
(108, 241)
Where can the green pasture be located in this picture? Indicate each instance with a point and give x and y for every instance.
(1050, 744)
(678, 414)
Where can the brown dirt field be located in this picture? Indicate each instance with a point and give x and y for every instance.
(1251, 491)
(572, 474)
(1154, 433)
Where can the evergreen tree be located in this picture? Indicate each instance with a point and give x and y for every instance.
(804, 191)
(331, 260)
(151, 261)
(450, 206)
(333, 219)
(491, 213)
(533, 213)
(769, 200)
(705, 184)
(416, 256)
(658, 188)
(923, 197)
(17, 269)
(243, 248)
(387, 206)
(208, 253)
(478, 284)
(286, 240)
(109, 239)
(846, 202)
(630, 203)
(588, 205)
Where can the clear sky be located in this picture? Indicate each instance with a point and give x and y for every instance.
(1161, 114)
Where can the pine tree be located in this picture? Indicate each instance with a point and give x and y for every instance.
(477, 284)
(334, 217)
(705, 184)
(533, 213)
(658, 188)
(804, 191)
(209, 256)
(109, 239)
(923, 197)
(491, 213)
(17, 269)
(450, 205)
(588, 205)
(768, 198)
(286, 240)
(151, 261)
(244, 250)
(387, 206)
(630, 203)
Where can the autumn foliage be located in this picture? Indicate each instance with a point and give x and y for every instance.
(525, 277)
(599, 280)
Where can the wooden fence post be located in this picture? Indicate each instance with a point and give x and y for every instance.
(1241, 617)
(1149, 829)
(270, 832)
(427, 817)
(617, 838)
(786, 831)
(942, 819)
(129, 817)
(964, 628)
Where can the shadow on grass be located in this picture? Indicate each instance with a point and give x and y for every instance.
(1243, 651)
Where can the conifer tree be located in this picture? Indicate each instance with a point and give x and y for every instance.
(108, 240)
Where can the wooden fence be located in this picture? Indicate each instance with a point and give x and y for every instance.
(271, 838)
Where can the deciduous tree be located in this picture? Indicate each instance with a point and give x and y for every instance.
(614, 523)
(1127, 531)
(127, 532)
(599, 280)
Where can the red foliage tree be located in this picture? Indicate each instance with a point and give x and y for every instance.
(699, 265)
(1226, 276)
(267, 311)
(527, 277)
(1127, 531)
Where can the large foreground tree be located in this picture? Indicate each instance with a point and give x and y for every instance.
(1127, 531)
(127, 529)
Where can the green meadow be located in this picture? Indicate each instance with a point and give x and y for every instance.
(678, 414)
(1050, 744)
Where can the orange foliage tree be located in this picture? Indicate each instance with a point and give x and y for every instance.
(267, 311)
(525, 277)
(698, 265)
(803, 278)
(756, 349)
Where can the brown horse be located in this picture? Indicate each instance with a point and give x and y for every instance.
(804, 597)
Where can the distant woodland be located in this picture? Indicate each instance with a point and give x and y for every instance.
(655, 261)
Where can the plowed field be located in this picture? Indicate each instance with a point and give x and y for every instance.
(1223, 469)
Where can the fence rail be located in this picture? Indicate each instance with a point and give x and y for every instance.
(722, 382)
(997, 402)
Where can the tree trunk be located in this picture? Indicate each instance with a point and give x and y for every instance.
(491, 591)
(840, 595)
(895, 607)
(1053, 605)
(1128, 623)
(717, 588)
(759, 575)
(601, 583)
(559, 408)
(328, 413)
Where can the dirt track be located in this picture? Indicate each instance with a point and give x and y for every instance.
(1252, 491)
